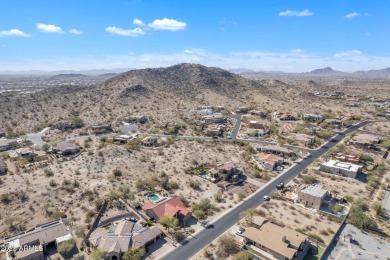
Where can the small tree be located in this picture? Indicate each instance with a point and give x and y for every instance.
(168, 222)
(45, 147)
(248, 215)
(66, 248)
(97, 254)
(227, 245)
(243, 255)
(134, 254)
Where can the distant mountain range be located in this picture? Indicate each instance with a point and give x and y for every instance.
(322, 72)
(326, 72)
(93, 72)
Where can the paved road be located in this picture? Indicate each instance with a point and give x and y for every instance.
(237, 125)
(206, 236)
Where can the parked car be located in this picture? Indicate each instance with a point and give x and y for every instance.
(240, 230)
(266, 198)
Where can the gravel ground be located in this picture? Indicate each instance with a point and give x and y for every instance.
(366, 247)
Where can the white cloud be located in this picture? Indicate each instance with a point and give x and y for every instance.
(124, 32)
(75, 31)
(188, 51)
(167, 24)
(138, 22)
(305, 12)
(346, 54)
(297, 50)
(351, 15)
(15, 33)
(49, 28)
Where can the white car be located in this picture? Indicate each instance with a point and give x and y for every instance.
(266, 198)
(240, 230)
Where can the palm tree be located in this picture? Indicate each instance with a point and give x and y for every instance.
(168, 222)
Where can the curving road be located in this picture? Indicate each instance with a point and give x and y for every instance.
(206, 236)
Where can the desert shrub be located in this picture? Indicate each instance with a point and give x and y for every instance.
(243, 255)
(316, 237)
(227, 245)
(358, 218)
(309, 179)
(65, 248)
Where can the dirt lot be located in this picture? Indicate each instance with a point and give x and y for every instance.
(73, 187)
(379, 127)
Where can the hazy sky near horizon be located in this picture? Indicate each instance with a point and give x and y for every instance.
(283, 35)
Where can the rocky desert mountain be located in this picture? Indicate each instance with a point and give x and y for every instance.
(162, 94)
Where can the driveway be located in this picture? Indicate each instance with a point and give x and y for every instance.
(237, 125)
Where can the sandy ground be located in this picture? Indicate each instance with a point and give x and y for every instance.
(366, 247)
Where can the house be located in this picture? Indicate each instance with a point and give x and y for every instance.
(2, 134)
(252, 132)
(335, 122)
(25, 153)
(228, 171)
(150, 141)
(101, 128)
(283, 116)
(172, 207)
(346, 158)
(213, 131)
(63, 125)
(341, 168)
(256, 113)
(269, 241)
(312, 117)
(256, 125)
(242, 110)
(122, 236)
(136, 119)
(205, 112)
(275, 149)
(122, 138)
(3, 167)
(366, 141)
(4, 145)
(311, 196)
(40, 238)
(65, 148)
(303, 138)
(268, 161)
(216, 118)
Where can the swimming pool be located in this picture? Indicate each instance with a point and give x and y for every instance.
(154, 197)
(204, 174)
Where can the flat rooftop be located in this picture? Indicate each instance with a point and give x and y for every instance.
(314, 190)
(342, 165)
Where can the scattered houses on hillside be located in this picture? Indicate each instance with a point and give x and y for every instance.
(150, 141)
(242, 110)
(66, 148)
(25, 153)
(216, 118)
(312, 117)
(366, 141)
(7, 144)
(172, 207)
(341, 168)
(270, 241)
(302, 138)
(274, 149)
(119, 237)
(280, 116)
(136, 119)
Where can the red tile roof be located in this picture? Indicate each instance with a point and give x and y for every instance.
(168, 208)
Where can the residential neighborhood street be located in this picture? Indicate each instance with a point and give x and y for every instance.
(205, 237)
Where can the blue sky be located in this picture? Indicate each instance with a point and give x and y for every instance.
(287, 35)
